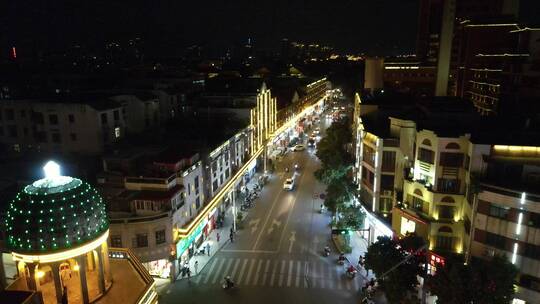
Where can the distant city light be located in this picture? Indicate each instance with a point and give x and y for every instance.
(14, 52)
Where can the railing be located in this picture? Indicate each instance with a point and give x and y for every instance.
(138, 219)
(149, 294)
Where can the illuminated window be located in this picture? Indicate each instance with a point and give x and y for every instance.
(407, 226)
(117, 132)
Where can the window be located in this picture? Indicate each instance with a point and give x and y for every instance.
(387, 182)
(12, 131)
(451, 159)
(103, 118)
(196, 183)
(498, 211)
(418, 204)
(71, 118)
(116, 115)
(73, 136)
(447, 185)
(534, 219)
(53, 119)
(141, 240)
(385, 205)
(425, 155)
(56, 138)
(369, 155)
(189, 189)
(446, 212)
(389, 161)
(214, 185)
(160, 236)
(37, 117)
(445, 242)
(10, 114)
(116, 241)
(197, 203)
(495, 240)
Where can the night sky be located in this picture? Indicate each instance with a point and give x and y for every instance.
(349, 25)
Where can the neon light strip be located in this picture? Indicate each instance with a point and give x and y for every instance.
(64, 255)
(514, 256)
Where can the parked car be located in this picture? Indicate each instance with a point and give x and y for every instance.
(288, 184)
(299, 148)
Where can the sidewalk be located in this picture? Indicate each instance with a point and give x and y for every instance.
(215, 246)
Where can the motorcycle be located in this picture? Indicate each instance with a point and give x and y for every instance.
(341, 259)
(326, 252)
(351, 272)
(228, 283)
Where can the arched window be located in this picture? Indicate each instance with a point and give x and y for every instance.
(445, 229)
(453, 146)
(447, 199)
(426, 142)
(418, 192)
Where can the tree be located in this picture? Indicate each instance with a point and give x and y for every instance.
(387, 253)
(481, 281)
(351, 218)
(335, 164)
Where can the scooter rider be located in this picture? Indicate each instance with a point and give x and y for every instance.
(341, 259)
(351, 269)
(228, 283)
(327, 250)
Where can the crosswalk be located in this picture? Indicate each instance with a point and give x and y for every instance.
(283, 273)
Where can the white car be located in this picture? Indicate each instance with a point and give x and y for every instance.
(288, 184)
(299, 148)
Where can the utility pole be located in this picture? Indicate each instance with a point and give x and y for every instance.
(234, 209)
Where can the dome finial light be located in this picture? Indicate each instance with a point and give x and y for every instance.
(52, 170)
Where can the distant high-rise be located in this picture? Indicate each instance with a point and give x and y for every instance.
(437, 36)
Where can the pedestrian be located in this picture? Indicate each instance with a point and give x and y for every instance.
(196, 265)
(232, 231)
(217, 236)
(208, 248)
(361, 261)
(231, 237)
(188, 274)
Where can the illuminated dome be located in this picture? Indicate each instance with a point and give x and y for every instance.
(55, 214)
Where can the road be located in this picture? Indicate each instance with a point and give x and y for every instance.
(277, 256)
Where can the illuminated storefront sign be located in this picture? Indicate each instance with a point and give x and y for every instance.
(184, 243)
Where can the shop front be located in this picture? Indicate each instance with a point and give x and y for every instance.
(160, 268)
(374, 227)
(185, 247)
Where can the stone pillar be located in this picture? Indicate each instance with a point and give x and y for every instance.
(59, 288)
(81, 260)
(101, 272)
(106, 266)
(31, 280)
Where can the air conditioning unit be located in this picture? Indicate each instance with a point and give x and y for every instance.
(489, 252)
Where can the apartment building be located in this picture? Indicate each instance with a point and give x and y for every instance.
(60, 125)
(507, 217)
(152, 193)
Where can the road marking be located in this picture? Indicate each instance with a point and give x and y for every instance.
(290, 272)
(242, 271)
(218, 271)
(250, 271)
(273, 273)
(306, 270)
(298, 266)
(235, 268)
(257, 273)
(290, 212)
(281, 273)
(248, 251)
(265, 273)
(325, 283)
(254, 224)
(292, 239)
(338, 277)
(209, 273)
(267, 218)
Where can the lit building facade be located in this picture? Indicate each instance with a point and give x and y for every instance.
(507, 217)
(263, 118)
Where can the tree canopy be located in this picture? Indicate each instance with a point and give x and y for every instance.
(387, 253)
(481, 281)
